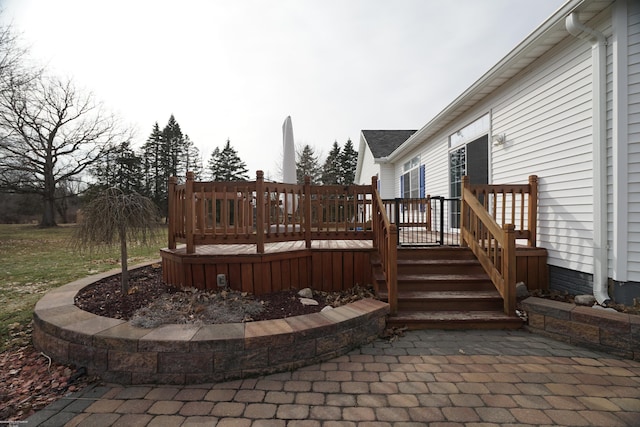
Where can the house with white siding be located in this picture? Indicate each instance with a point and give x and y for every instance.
(375, 146)
(564, 105)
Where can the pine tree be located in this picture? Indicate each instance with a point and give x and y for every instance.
(226, 165)
(173, 149)
(154, 186)
(121, 169)
(192, 158)
(331, 171)
(348, 163)
(307, 165)
(213, 167)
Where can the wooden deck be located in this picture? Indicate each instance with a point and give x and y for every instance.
(273, 248)
(264, 237)
(329, 265)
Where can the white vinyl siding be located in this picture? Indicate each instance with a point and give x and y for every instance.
(388, 181)
(369, 168)
(546, 114)
(633, 263)
(434, 156)
(547, 119)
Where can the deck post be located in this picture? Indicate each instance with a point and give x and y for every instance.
(509, 269)
(428, 212)
(173, 181)
(463, 211)
(392, 268)
(375, 195)
(533, 209)
(307, 211)
(260, 207)
(189, 213)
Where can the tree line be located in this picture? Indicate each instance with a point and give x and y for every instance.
(59, 147)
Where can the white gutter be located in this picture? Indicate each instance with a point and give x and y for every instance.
(599, 73)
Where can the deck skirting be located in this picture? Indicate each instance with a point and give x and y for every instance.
(532, 268)
(323, 268)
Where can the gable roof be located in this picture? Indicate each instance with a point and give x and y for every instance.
(541, 40)
(384, 142)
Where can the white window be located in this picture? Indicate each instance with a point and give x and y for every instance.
(410, 180)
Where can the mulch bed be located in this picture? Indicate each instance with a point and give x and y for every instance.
(105, 297)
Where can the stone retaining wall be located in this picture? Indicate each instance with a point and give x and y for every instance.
(188, 354)
(608, 331)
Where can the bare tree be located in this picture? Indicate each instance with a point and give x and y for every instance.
(51, 133)
(114, 217)
(11, 58)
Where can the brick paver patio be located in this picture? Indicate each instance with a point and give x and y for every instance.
(435, 378)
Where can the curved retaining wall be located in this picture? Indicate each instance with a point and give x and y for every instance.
(188, 354)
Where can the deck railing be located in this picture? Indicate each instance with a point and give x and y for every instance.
(492, 218)
(259, 212)
(385, 238)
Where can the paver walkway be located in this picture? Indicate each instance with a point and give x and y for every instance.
(435, 378)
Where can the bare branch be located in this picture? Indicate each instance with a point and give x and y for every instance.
(51, 132)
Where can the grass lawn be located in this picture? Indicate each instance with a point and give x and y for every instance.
(34, 260)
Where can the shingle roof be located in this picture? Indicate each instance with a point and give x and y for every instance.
(383, 142)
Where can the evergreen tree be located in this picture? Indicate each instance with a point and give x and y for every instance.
(154, 185)
(348, 163)
(192, 159)
(213, 165)
(164, 155)
(120, 168)
(331, 171)
(129, 173)
(226, 165)
(173, 149)
(307, 164)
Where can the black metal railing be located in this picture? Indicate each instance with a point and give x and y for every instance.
(430, 221)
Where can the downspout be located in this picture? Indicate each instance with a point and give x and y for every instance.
(599, 70)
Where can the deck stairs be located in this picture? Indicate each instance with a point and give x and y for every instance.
(444, 288)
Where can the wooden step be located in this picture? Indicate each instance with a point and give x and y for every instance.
(443, 288)
(439, 266)
(448, 300)
(438, 252)
(444, 282)
(454, 320)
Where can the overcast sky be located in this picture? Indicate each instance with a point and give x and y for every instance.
(236, 69)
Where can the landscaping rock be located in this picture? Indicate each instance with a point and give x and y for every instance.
(305, 293)
(587, 300)
(521, 290)
(326, 308)
(308, 301)
(599, 307)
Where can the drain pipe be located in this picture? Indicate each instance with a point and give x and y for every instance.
(599, 64)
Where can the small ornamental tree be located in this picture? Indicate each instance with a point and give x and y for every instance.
(114, 217)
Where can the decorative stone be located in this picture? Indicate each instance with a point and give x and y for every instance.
(599, 307)
(521, 290)
(584, 300)
(326, 308)
(305, 293)
(308, 301)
